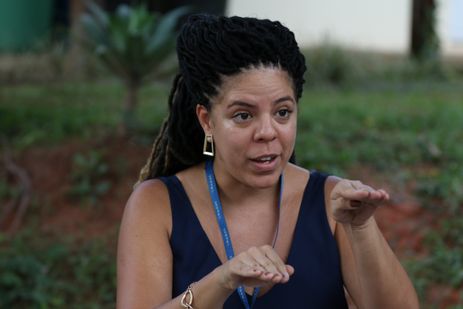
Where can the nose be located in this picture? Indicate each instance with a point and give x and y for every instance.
(265, 130)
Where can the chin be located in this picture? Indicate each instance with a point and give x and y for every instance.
(264, 181)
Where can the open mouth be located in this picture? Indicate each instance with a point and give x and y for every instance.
(264, 159)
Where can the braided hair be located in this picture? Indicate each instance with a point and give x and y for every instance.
(209, 47)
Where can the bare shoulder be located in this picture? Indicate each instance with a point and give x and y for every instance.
(297, 173)
(149, 189)
(149, 202)
(296, 179)
(302, 174)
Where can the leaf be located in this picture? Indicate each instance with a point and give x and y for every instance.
(96, 33)
(124, 12)
(100, 15)
(166, 27)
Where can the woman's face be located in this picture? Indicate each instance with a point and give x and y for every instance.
(253, 122)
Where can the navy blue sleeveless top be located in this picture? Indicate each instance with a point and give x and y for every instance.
(317, 281)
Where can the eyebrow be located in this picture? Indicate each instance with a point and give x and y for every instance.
(246, 104)
(283, 99)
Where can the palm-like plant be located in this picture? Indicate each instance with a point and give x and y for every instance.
(132, 43)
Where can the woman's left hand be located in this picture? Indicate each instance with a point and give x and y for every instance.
(354, 203)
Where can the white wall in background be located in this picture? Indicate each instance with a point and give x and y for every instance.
(450, 26)
(379, 25)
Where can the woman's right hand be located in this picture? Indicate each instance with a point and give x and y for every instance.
(255, 267)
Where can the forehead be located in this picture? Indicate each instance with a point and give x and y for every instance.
(256, 82)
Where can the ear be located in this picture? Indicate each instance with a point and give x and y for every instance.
(204, 117)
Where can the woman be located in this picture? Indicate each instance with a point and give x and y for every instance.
(223, 217)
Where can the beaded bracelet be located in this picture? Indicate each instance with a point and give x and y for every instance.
(187, 298)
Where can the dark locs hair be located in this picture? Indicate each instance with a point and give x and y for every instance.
(209, 47)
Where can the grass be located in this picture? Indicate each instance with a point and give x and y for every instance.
(44, 114)
(385, 129)
(412, 131)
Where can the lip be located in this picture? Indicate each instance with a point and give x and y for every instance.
(265, 166)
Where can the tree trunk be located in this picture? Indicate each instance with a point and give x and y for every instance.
(75, 61)
(424, 42)
(130, 104)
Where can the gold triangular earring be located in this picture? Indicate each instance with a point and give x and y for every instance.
(208, 147)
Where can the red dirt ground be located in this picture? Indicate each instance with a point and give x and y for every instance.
(50, 171)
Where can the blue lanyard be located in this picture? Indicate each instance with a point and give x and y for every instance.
(223, 226)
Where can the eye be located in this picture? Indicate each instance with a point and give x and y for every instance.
(284, 113)
(242, 116)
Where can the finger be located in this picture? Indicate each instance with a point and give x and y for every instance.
(258, 273)
(349, 194)
(244, 261)
(290, 269)
(248, 269)
(385, 194)
(356, 184)
(247, 259)
(249, 275)
(283, 275)
(376, 194)
(356, 204)
(376, 197)
(275, 258)
(264, 261)
(269, 277)
(363, 195)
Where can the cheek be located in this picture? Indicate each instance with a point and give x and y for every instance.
(289, 133)
(288, 139)
(232, 141)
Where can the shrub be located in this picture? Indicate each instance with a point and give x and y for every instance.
(88, 176)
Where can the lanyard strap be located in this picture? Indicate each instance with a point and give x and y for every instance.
(214, 193)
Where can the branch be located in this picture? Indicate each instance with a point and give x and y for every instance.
(21, 204)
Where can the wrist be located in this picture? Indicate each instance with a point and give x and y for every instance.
(224, 281)
(368, 224)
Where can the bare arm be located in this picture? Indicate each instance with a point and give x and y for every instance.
(372, 274)
(144, 259)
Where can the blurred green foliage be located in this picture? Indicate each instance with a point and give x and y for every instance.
(51, 273)
(6, 190)
(331, 64)
(52, 113)
(133, 44)
(401, 123)
(89, 176)
(444, 264)
(385, 129)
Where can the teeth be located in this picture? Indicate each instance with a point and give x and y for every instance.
(264, 159)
